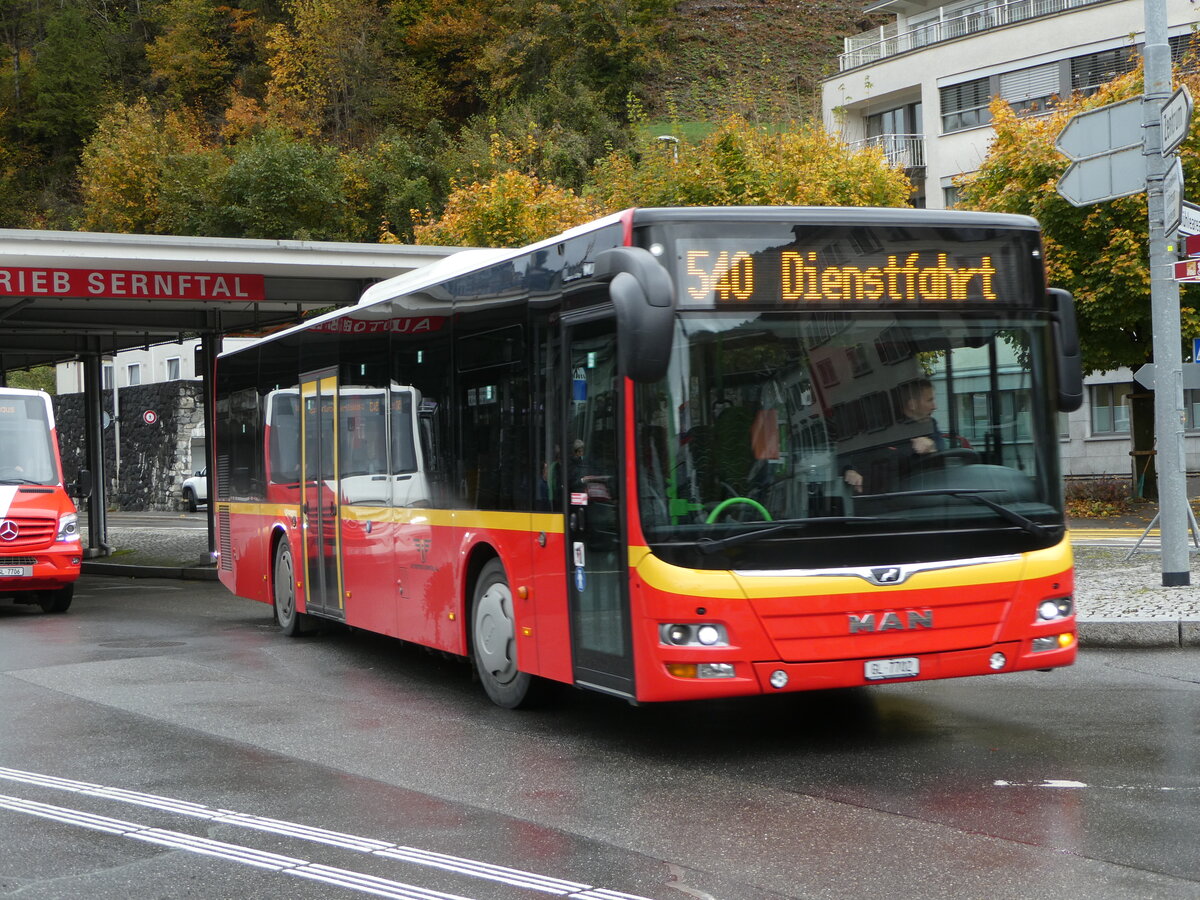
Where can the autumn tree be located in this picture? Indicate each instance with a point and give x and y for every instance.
(740, 164)
(510, 210)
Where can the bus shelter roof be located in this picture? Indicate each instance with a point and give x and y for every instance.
(44, 321)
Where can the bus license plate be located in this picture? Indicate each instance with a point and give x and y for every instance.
(905, 667)
(16, 571)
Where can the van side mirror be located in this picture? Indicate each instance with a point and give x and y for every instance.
(1066, 343)
(83, 484)
(644, 297)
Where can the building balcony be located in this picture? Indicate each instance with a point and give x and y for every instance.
(888, 40)
(904, 151)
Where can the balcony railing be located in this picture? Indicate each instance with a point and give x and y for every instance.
(888, 40)
(905, 151)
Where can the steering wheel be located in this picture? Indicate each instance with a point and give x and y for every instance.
(964, 455)
(733, 501)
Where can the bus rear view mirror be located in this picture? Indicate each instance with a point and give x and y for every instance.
(644, 298)
(1066, 342)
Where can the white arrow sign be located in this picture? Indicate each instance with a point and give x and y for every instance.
(1191, 376)
(1175, 119)
(1100, 178)
(1102, 130)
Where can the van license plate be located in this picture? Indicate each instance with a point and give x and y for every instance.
(16, 571)
(905, 667)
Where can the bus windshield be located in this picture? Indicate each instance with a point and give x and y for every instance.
(821, 438)
(26, 451)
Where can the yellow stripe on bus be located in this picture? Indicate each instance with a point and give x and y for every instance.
(551, 523)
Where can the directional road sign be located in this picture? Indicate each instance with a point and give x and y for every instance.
(1189, 223)
(1187, 270)
(1102, 130)
(1173, 198)
(1099, 178)
(1191, 376)
(1175, 119)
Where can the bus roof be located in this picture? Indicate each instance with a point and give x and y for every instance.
(470, 260)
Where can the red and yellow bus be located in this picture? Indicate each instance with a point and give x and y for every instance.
(40, 550)
(675, 454)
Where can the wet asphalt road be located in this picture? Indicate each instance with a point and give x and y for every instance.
(229, 745)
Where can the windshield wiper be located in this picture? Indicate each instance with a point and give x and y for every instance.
(1009, 515)
(709, 545)
(18, 480)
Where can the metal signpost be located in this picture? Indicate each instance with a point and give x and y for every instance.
(1122, 149)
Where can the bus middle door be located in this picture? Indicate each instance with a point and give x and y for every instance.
(597, 576)
(319, 505)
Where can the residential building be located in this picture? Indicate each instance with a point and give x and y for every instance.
(920, 85)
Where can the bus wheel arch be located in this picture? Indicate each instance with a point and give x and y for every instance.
(492, 635)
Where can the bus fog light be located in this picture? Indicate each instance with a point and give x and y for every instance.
(715, 670)
(997, 662)
(1059, 608)
(779, 679)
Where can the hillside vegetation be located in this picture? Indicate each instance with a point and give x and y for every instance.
(338, 119)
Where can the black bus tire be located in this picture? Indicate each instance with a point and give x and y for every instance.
(494, 640)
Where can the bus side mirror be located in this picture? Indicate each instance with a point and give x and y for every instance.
(1066, 342)
(644, 297)
(83, 484)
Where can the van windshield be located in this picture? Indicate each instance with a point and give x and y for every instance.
(26, 452)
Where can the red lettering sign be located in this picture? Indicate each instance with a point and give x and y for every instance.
(111, 284)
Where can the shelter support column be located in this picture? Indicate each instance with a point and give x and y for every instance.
(97, 517)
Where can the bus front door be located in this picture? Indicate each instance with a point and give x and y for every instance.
(596, 564)
(322, 550)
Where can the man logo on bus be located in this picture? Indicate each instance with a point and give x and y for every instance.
(870, 623)
(889, 575)
(9, 530)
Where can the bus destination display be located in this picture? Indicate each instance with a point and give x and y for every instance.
(714, 272)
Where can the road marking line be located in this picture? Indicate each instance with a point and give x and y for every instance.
(413, 855)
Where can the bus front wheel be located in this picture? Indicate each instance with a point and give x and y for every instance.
(494, 640)
(290, 622)
(58, 601)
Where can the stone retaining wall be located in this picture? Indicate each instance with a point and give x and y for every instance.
(155, 456)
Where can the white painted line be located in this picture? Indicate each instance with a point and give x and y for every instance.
(473, 868)
(274, 862)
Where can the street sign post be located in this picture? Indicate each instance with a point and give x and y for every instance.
(1175, 119)
(1095, 179)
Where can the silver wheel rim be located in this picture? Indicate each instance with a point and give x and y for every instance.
(285, 588)
(495, 634)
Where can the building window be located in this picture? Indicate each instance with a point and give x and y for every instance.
(134, 373)
(173, 369)
(1110, 408)
(106, 378)
(966, 105)
(1191, 406)
(1185, 53)
(1089, 72)
(1031, 90)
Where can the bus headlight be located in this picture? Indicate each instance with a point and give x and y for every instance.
(68, 527)
(1059, 608)
(698, 635)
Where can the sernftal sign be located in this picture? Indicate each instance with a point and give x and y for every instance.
(1175, 118)
(110, 284)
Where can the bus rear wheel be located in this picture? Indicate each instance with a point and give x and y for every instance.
(494, 640)
(290, 622)
(58, 601)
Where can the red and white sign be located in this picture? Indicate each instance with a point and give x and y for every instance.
(1187, 270)
(109, 283)
(149, 417)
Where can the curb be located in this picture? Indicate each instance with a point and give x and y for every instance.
(1134, 634)
(185, 573)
